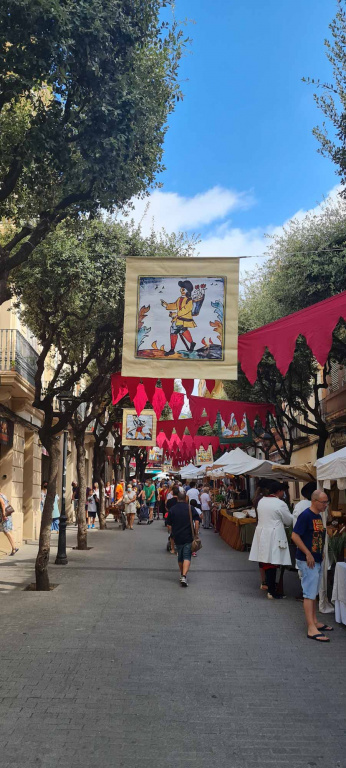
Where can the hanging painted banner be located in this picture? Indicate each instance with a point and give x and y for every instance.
(204, 455)
(232, 432)
(138, 430)
(182, 315)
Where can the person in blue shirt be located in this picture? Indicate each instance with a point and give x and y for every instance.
(309, 536)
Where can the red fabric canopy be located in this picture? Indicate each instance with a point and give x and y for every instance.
(316, 323)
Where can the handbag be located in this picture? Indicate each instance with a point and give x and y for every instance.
(8, 507)
(196, 542)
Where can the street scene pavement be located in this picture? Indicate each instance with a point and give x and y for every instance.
(119, 666)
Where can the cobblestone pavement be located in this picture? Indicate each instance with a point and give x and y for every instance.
(119, 667)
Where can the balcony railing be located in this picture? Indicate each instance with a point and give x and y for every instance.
(16, 354)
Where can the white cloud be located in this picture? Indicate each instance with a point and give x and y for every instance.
(175, 213)
(210, 212)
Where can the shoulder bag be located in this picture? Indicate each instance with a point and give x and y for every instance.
(196, 542)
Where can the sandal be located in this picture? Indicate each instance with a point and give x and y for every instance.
(326, 628)
(317, 638)
(13, 552)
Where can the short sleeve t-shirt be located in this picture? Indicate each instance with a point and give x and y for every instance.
(148, 490)
(119, 492)
(205, 501)
(312, 532)
(192, 493)
(179, 519)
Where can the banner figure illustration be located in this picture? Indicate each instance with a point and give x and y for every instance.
(138, 430)
(181, 315)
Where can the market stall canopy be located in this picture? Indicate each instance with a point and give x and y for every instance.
(189, 471)
(301, 472)
(237, 462)
(332, 467)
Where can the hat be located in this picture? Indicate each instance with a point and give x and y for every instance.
(186, 284)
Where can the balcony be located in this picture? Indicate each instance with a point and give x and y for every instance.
(17, 355)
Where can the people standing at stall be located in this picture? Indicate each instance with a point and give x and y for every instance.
(309, 537)
(130, 506)
(306, 493)
(270, 545)
(206, 508)
(149, 490)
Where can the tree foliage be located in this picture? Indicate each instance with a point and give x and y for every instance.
(332, 101)
(86, 87)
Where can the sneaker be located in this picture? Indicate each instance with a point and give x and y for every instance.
(183, 581)
(88, 526)
(275, 597)
(93, 526)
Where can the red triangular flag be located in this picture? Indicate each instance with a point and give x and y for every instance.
(180, 426)
(140, 399)
(158, 401)
(212, 409)
(196, 406)
(150, 385)
(119, 388)
(168, 388)
(132, 384)
(210, 384)
(188, 385)
(166, 427)
(176, 402)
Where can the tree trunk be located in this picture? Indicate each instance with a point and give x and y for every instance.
(81, 517)
(42, 560)
(322, 439)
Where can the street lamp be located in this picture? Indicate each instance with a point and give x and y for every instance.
(127, 457)
(61, 558)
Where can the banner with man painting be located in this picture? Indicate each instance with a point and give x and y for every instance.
(234, 432)
(181, 318)
(138, 430)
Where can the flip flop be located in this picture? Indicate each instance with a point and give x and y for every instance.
(317, 638)
(326, 628)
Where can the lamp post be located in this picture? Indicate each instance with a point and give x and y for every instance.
(127, 456)
(61, 558)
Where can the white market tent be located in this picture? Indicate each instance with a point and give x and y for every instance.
(332, 467)
(191, 472)
(237, 462)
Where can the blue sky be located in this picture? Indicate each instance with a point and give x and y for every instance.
(240, 156)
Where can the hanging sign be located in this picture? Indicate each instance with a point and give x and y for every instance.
(233, 431)
(204, 456)
(182, 316)
(138, 430)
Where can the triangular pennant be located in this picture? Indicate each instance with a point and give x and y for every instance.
(212, 409)
(180, 426)
(196, 406)
(132, 384)
(140, 399)
(188, 385)
(166, 427)
(176, 402)
(158, 401)
(210, 384)
(119, 388)
(150, 385)
(168, 388)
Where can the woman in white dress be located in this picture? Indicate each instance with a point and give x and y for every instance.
(270, 545)
(130, 506)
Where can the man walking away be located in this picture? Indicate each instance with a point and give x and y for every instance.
(309, 536)
(170, 503)
(179, 520)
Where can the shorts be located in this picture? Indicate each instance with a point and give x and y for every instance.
(184, 552)
(151, 504)
(92, 514)
(310, 578)
(6, 526)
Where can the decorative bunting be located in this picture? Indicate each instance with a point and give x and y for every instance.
(168, 388)
(132, 386)
(119, 388)
(159, 401)
(150, 385)
(176, 403)
(166, 427)
(210, 384)
(140, 399)
(188, 385)
(315, 323)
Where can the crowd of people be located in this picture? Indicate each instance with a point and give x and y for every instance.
(186, 508)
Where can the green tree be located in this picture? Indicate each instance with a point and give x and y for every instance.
(85, 92)
(306, 264)
(332, 101)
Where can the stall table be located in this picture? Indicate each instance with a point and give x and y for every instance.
(237, 532)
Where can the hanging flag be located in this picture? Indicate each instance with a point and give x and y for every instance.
(181, 318)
